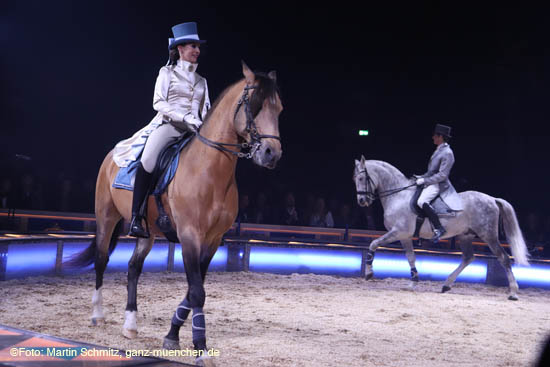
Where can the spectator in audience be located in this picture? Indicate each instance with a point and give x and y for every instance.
(30, 194)
(66, 201)
(87, 196)
(288, 215)
(546, 237)
(244, 215)
(308, 209)
(321, 217)
(262, 211)
(343, 218)
(533, 233)
(6, 194)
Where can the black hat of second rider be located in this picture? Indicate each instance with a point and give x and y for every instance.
(443, 130)
(184, 33)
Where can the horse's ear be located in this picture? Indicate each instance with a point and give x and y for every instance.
(357, 163)
(272, 75)
(248, 74)
(362, 159)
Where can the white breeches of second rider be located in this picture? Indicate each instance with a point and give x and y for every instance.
(428, 194)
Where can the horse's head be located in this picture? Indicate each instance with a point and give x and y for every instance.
(363, 183)
(257, 117)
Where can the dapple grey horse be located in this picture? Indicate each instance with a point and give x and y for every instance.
(480, 217)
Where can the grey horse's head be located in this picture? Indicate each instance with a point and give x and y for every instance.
(363, 183)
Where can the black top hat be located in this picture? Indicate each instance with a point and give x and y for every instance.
(443, 130)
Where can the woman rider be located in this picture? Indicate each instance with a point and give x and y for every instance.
(181, 101)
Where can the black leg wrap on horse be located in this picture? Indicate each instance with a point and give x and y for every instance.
(199, 329)
(181, 313)
(370, 257)
(414, 274)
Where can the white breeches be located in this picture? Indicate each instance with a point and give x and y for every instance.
(159, 138)
(428, 194)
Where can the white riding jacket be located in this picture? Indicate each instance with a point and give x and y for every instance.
(180, 95)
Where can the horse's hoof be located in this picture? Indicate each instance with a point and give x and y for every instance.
(445, 288)
(171, 344)
(205, 361)
(129, 333)
(96, 321)
(369, 276)
(513, 298)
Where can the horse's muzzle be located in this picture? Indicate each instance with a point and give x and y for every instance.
(268, 154)
(362, 200)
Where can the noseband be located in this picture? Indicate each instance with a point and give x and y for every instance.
(251, 129)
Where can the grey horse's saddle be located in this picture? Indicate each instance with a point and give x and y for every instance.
(440, 207)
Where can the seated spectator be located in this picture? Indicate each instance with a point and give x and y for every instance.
(7, 200)
(321, 216)
(533, 234)
(288, 215)
(343, 218)
(308, 209)
(30, 194)
(262, 211)
(244, 215)
(546, 237)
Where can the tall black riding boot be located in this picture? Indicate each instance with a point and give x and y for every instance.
(141, 189)
(434, 219)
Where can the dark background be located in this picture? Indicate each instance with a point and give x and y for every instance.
(77, 77)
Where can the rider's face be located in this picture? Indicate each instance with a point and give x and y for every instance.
(438, 139)
(190, 52)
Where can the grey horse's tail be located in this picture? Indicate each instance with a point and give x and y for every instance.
(513, 232)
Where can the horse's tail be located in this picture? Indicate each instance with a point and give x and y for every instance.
(513, 232)
(87, 257)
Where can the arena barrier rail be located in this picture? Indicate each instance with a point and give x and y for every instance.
(34, 255)
(260, 248)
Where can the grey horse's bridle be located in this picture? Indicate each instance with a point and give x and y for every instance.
(251, 129)
(370, 194)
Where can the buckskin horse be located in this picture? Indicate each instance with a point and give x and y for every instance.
(201, 200)
(378, 179)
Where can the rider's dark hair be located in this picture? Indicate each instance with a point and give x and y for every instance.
(445, 138)
(173, 56)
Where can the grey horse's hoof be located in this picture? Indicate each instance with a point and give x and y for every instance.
(96, 321)
(369, 276)
(171, 344)
(445, 289)
(513, 298)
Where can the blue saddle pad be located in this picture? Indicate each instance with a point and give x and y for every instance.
(125, 177)
(167, 165)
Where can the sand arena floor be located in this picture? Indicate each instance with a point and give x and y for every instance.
(258, 319)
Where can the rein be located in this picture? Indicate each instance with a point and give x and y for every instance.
(373, 196)
(251, 129)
